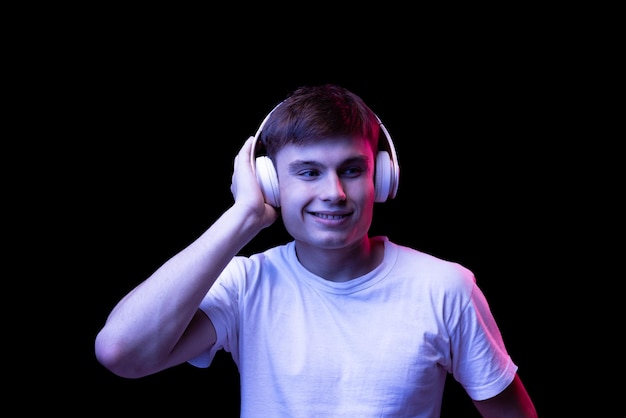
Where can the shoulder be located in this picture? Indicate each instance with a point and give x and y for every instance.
(251, 266)
(280, 254)
(428, 267)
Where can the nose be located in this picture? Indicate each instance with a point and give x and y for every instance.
(332, 189)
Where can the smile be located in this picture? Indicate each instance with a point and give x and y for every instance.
(330, 217)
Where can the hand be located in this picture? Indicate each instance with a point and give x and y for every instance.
(246, 189)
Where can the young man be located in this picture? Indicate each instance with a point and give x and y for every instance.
(334, 323)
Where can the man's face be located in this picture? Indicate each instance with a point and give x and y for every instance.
(327, 191)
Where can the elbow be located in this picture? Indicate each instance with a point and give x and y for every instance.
(114, 356)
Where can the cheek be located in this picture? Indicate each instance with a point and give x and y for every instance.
(291, 190)
(362, 190)
(292, 218)
(293, 198)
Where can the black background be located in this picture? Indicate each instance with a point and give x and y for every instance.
(144, 118)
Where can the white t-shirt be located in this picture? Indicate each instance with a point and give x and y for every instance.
(379, 345)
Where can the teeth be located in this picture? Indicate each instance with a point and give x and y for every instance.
(332, 217)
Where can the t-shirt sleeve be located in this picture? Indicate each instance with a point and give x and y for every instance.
(481, 363)
(221, 305)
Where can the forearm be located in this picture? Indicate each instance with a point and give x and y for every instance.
(145, 327)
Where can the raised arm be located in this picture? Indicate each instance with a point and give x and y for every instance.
(158, 324)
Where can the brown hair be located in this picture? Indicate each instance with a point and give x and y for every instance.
(311, 113)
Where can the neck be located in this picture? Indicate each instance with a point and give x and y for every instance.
(341, 264)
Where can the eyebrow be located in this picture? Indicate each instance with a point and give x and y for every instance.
(297, 165)
(300, 164)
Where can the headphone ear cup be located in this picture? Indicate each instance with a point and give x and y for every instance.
(268, 180)
(382, 176)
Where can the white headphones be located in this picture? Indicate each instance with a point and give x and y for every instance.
(386, 173)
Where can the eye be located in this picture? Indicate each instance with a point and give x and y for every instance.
(353, 171)
(308, 173)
